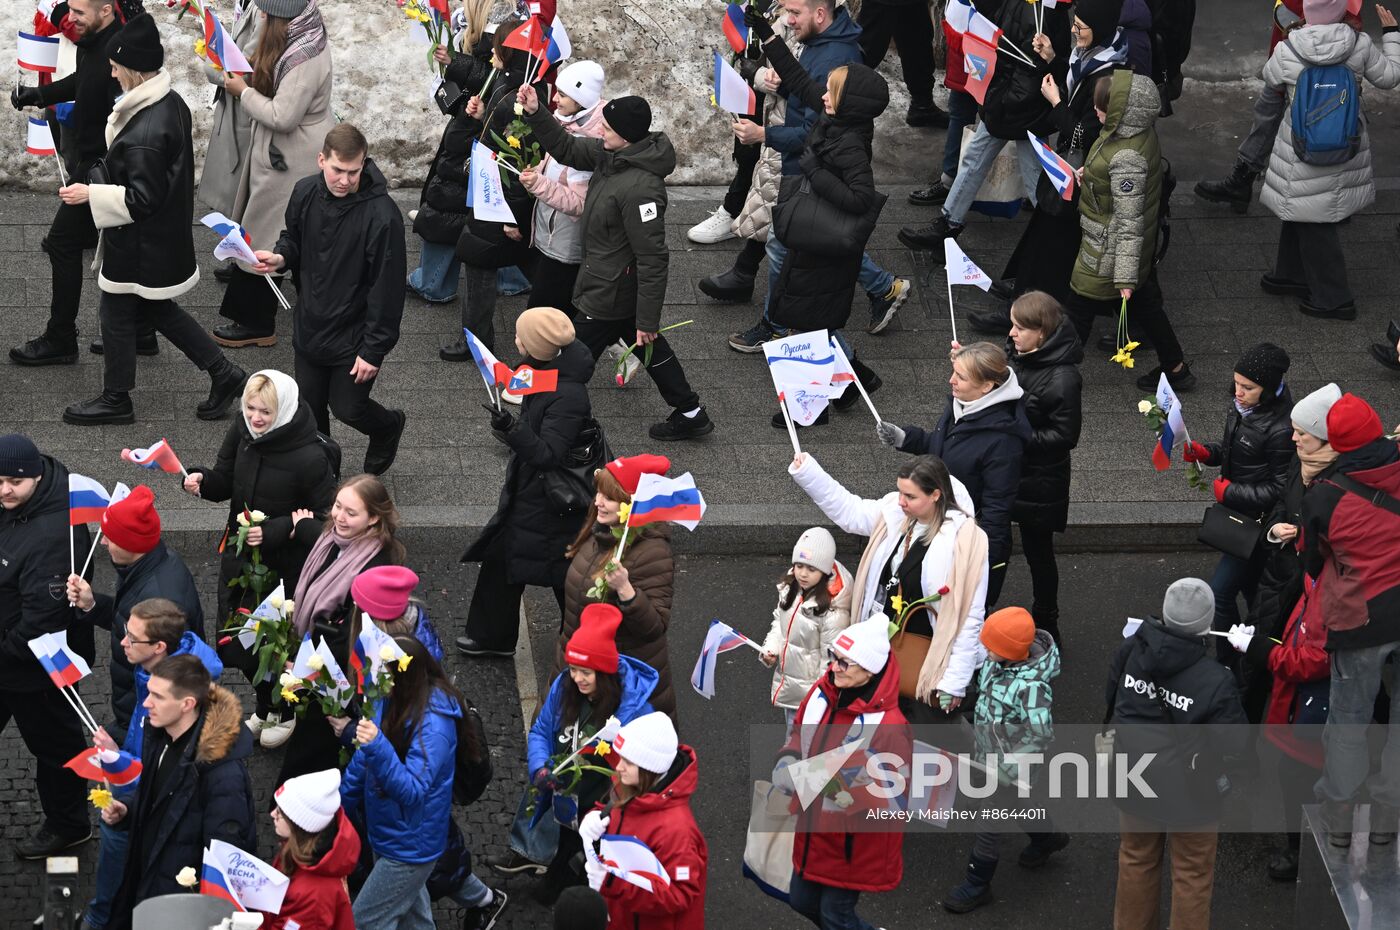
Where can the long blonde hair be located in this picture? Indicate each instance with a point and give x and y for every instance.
(477, 12)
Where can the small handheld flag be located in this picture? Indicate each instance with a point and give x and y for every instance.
(40, 138)
(38, 53)
(214, 883)
(559, 46)
(159, 455)
(803, 358)
(116, 767)
(735, 30)
(301, 665)
(660, 499)
(980, 62)
(253, 883)
(957, 15)
(235, 242)
(632, 861)
(220, 50)
(720, 637)
(485, 194)
(961, 269)
(527, 380)
(493, 371)
(64, 666)
(1059, 171)
(732, 93)
(1173, 427)
(87, 499)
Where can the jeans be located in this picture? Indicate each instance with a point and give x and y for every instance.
(511, 281)
(1313, 253)
(472, 893)
(982, 151)
(1233, 577)
(664, 368)
(111, 864)
(873, 280)
(1138, 902)
(330, 386)
(395, 897)
(962, 112)
(71, 232)
(125, 317)
(828, 907)
(435, 278)
(1356, 680)
(538, 844)
(1269, 108)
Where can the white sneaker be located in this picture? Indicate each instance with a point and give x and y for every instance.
(275, 734)
(412, 215)
(255, 723)
(719, 227)
(510, 398)
(629, 367)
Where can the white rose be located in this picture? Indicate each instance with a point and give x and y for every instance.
(275, 602)
(316, 662)
(287, 607)
(242, 519)
(843, 799)
(187, 878)
(258, 516)
(1144, 407)
(288, 680)
(386, 652)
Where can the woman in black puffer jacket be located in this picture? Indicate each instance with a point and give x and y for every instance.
(814, 291)
(1254, 459)
(1046, 353)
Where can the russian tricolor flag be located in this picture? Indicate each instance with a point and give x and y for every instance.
(493, 370)
(64, 666)
(1059, 171)
(235, 242)
(720, 637)
(359, 660)
(159, 455)
(559, 47)
(87, 499)
(214, 883)
(119, 768)
(732, 93)
(1173, 428)
(660, 499)
(735, 30)
(220, 50)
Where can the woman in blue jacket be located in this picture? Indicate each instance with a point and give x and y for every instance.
(402, 778)
(596, 684)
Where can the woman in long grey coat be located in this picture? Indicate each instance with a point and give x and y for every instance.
(1312, 199)
(288, 101)
(229, 135)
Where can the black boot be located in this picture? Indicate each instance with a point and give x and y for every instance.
(976, 889)
(1236, 190)
(107, 407)
(382, 449)
(226, 382)
(930, 238)
(730, 287)
(146, 344)
(46, 350)
(868, 380)
(1041, 847)
(1047, 619)
(926, 113)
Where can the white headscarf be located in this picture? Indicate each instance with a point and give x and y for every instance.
(288, 399)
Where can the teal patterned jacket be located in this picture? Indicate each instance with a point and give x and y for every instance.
(1013, 704)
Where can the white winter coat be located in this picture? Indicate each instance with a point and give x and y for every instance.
(861, 516)
(800, 639)
(1301, 193)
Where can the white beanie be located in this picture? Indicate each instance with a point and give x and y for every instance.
(648, 742)
(310, 801)
(867, 643)
(582, 82)
(1310, 413)
(816, 548)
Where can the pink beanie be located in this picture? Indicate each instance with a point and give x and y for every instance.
(1323, 12)
(383, 592)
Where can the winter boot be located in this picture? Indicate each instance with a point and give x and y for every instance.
(1236, 190)
(976, 889)
(729, 287)
(1042, 845)
(225, 384)
(1047, 619)
(930, 238)
(107, 407)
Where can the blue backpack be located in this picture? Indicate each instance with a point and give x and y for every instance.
(1326, 115)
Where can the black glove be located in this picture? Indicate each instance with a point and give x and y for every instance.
(22, 97)
(758, 23)
(762, 6)
(545, 781)
(502, 421)
(808, 162)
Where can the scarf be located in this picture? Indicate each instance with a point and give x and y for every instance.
(149, 92)
(1081, 65)
(306, 38)
(1314, 462)
(319, 598)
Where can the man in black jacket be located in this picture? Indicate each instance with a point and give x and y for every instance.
(34, 546)
(92, 89)
(145, 569)
(344, 244)
(909, 24)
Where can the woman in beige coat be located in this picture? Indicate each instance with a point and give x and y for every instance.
(229, 134)
(288, 101)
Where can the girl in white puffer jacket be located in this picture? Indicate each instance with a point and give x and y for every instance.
(814, 606)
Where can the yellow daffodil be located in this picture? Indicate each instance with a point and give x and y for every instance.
(101, 798)
(187, 878)
(897, 602)
(316, 662)
(386, 653)
(403, 663)
(1130, 346)
(602, 749)
(624, 511)
(1144, 407)
(199, 48)
(290, 696)
(713, 101)
(257, 625)
(513, 142)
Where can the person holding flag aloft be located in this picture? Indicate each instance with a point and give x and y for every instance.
(524, 542)
(35, 537)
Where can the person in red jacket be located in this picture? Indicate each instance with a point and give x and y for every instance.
(831, 866)
(319, 849)
(651, 803)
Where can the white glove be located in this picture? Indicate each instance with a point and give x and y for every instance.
(595, 872)
(782, 777)
(890, 434)
(592, 827)
(1240, 635)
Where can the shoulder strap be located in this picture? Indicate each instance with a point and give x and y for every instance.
(1375, 496)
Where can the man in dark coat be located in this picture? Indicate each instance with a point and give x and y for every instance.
(621, 287)
(34, 557)
(92, 89)
(344, 244)
(194, 784)
(525, 541)
(145, 568)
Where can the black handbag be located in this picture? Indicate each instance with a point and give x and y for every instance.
(1047, 199)
(1230, 531)
(569, 488)
(449, 97)
(804, 221)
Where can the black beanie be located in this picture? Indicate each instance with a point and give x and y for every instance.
(137, 45)
(1102, 17)
(580, 908)
(629, 117)
(19, 458)
(1265, 365)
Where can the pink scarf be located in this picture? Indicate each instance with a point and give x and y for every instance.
(319, 599)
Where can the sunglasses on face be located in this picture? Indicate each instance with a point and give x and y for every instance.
(840, 662)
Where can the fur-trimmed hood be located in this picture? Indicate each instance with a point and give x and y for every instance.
(222, 735)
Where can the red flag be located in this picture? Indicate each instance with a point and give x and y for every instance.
(531, 36)
(980, 60)
(527, 380)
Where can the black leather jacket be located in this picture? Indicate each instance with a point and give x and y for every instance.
(1255, 454)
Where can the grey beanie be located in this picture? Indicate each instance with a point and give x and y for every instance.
(287, 9)
(1188, 607)
(1310, 413)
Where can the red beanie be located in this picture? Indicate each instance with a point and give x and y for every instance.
(594, 644)
(383, 591)
(1351, 424)
(132, 522)
(629, 471)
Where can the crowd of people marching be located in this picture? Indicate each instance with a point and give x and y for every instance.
(362, 807)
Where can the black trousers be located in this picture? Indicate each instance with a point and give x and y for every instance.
(70, 232)
(750, 257)
(493, 617)
(51, 730)
(1038, 546)
(665, 369)
(1314, 252)
(552, 284)
(330, 386)
(249, 301)
(1296, 780)
(912, 30)
(125, 317)
(1146, 314)
(745, 158)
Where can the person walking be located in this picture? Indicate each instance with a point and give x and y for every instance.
(144, 204)
(317, 849)
(230, 135)
(982, 438)
(525, 541)
(621, 288)
(287, 101)
(909, 26)
(1312, 199)
(344, 240)
(35, 536)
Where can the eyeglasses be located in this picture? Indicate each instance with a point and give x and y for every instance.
(840, 662)
(1075, 27)
(140, 642)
